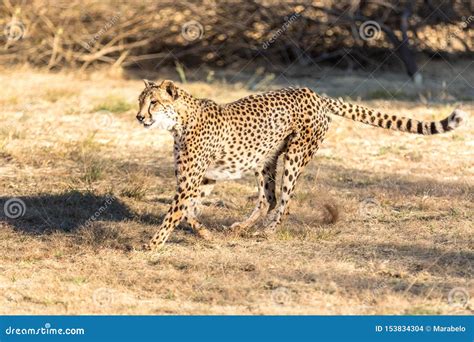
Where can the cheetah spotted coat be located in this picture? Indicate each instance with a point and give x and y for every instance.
(214, 142)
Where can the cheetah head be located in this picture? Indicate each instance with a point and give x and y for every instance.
(157, 105)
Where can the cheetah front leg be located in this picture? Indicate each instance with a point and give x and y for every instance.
(174, 216)
(205, 189)
(192, 212)
(190, 176)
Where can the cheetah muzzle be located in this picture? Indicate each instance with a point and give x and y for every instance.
(214, 142)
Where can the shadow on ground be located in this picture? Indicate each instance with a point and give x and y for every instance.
(66, 212)
(100, 221)
(98, 215)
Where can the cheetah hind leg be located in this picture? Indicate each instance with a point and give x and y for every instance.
(297, 156)
(266, 197)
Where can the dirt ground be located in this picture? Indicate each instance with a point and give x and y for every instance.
(70, 150)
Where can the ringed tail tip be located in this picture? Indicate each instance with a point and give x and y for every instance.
(457, 118)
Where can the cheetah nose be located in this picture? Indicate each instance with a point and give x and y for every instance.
(140, 117)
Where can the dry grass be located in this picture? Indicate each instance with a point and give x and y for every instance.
(403, 239)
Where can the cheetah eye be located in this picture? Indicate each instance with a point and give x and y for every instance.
(153, 102)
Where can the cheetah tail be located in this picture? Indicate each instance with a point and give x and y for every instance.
(395, 122)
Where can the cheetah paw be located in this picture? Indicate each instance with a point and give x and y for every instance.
(238, 226)
(152, 246)
(204, 234)
(259, 234)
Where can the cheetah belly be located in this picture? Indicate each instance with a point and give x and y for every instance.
(232, 164)
(226, 170)
(222, 174)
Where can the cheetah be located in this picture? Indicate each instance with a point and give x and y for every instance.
(214, 142)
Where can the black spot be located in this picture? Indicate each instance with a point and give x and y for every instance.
(420, 127)
(444, 123)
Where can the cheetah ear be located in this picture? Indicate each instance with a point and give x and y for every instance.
(149, 83)
(170, 88)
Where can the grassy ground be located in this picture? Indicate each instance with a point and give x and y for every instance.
(70, 149)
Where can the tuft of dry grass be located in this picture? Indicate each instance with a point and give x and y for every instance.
(381, 222)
